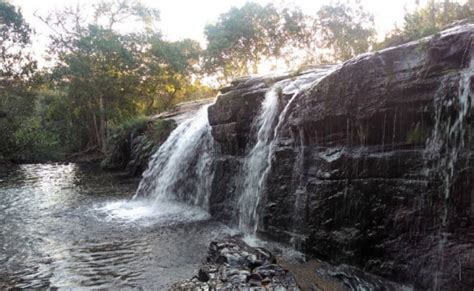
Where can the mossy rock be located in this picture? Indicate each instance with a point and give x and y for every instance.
(132, 143)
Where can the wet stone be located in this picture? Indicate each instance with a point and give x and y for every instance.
(231, 264)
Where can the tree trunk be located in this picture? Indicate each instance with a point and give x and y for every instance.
(433, 13)
(446, 12)
(103, 125)
(96, 130)
(151, 104)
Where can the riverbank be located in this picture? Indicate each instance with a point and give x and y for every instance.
(130, 145)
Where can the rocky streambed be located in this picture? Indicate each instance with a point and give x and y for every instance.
(231, 264)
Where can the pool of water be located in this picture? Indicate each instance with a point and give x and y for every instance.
(75, 226)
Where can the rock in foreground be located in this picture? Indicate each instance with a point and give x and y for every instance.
(233, 265)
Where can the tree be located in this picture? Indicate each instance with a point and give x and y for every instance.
(110, 76)
(99, 75)
(345, 30)
(97, 65)
(243, 37)
(429, 19)
(168, 69)
(14, 38)
(16, 68)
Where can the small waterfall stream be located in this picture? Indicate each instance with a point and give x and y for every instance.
(258, 162)
(182, 168)
(448, 137)
(445, 145)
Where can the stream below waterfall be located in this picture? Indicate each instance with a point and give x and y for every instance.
(74, 226)
(71, 226)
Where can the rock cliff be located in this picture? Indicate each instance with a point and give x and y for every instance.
(372, 166)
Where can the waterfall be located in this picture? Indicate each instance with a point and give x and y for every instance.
(182, 168)
(448, 138)
(446, 144)
(257, 164)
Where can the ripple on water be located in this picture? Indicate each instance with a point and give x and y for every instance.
(67, 226)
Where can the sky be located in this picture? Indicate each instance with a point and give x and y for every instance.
(187, 18)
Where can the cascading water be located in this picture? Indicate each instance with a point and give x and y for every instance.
(300, 191)
(448, 137)
(446, 144)
(182, 168)
(258, 161)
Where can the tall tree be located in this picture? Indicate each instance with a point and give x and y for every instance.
(243, 37)
(111, 76)
(97, 65)
(346, 30)
(16, 69)
(168, 69)
(100, 80)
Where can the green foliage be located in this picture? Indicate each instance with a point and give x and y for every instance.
(428, 20)
(160, 130)
(167, 75)
(17, 100)
(110, 13)
(345, 30)
(35, 143)
(110, 77)
(118, 144)
(15, 64)
(132, 125)
(100, 82)
(243, 37)
(102, 78)
(147, 135)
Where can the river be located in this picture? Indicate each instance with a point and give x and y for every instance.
(74, 226)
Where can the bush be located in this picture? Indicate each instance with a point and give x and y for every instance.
(35, 144)
(131, 143)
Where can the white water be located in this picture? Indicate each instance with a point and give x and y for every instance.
(182, 169)
(176, 186)
(146, 214)
(180, 173)
(258, 161)
(445, 145)
(448, 135)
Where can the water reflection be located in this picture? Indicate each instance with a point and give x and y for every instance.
(72, 226)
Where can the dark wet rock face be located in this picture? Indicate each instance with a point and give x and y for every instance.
(232, 265)
(372, 167)
(231, 118)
